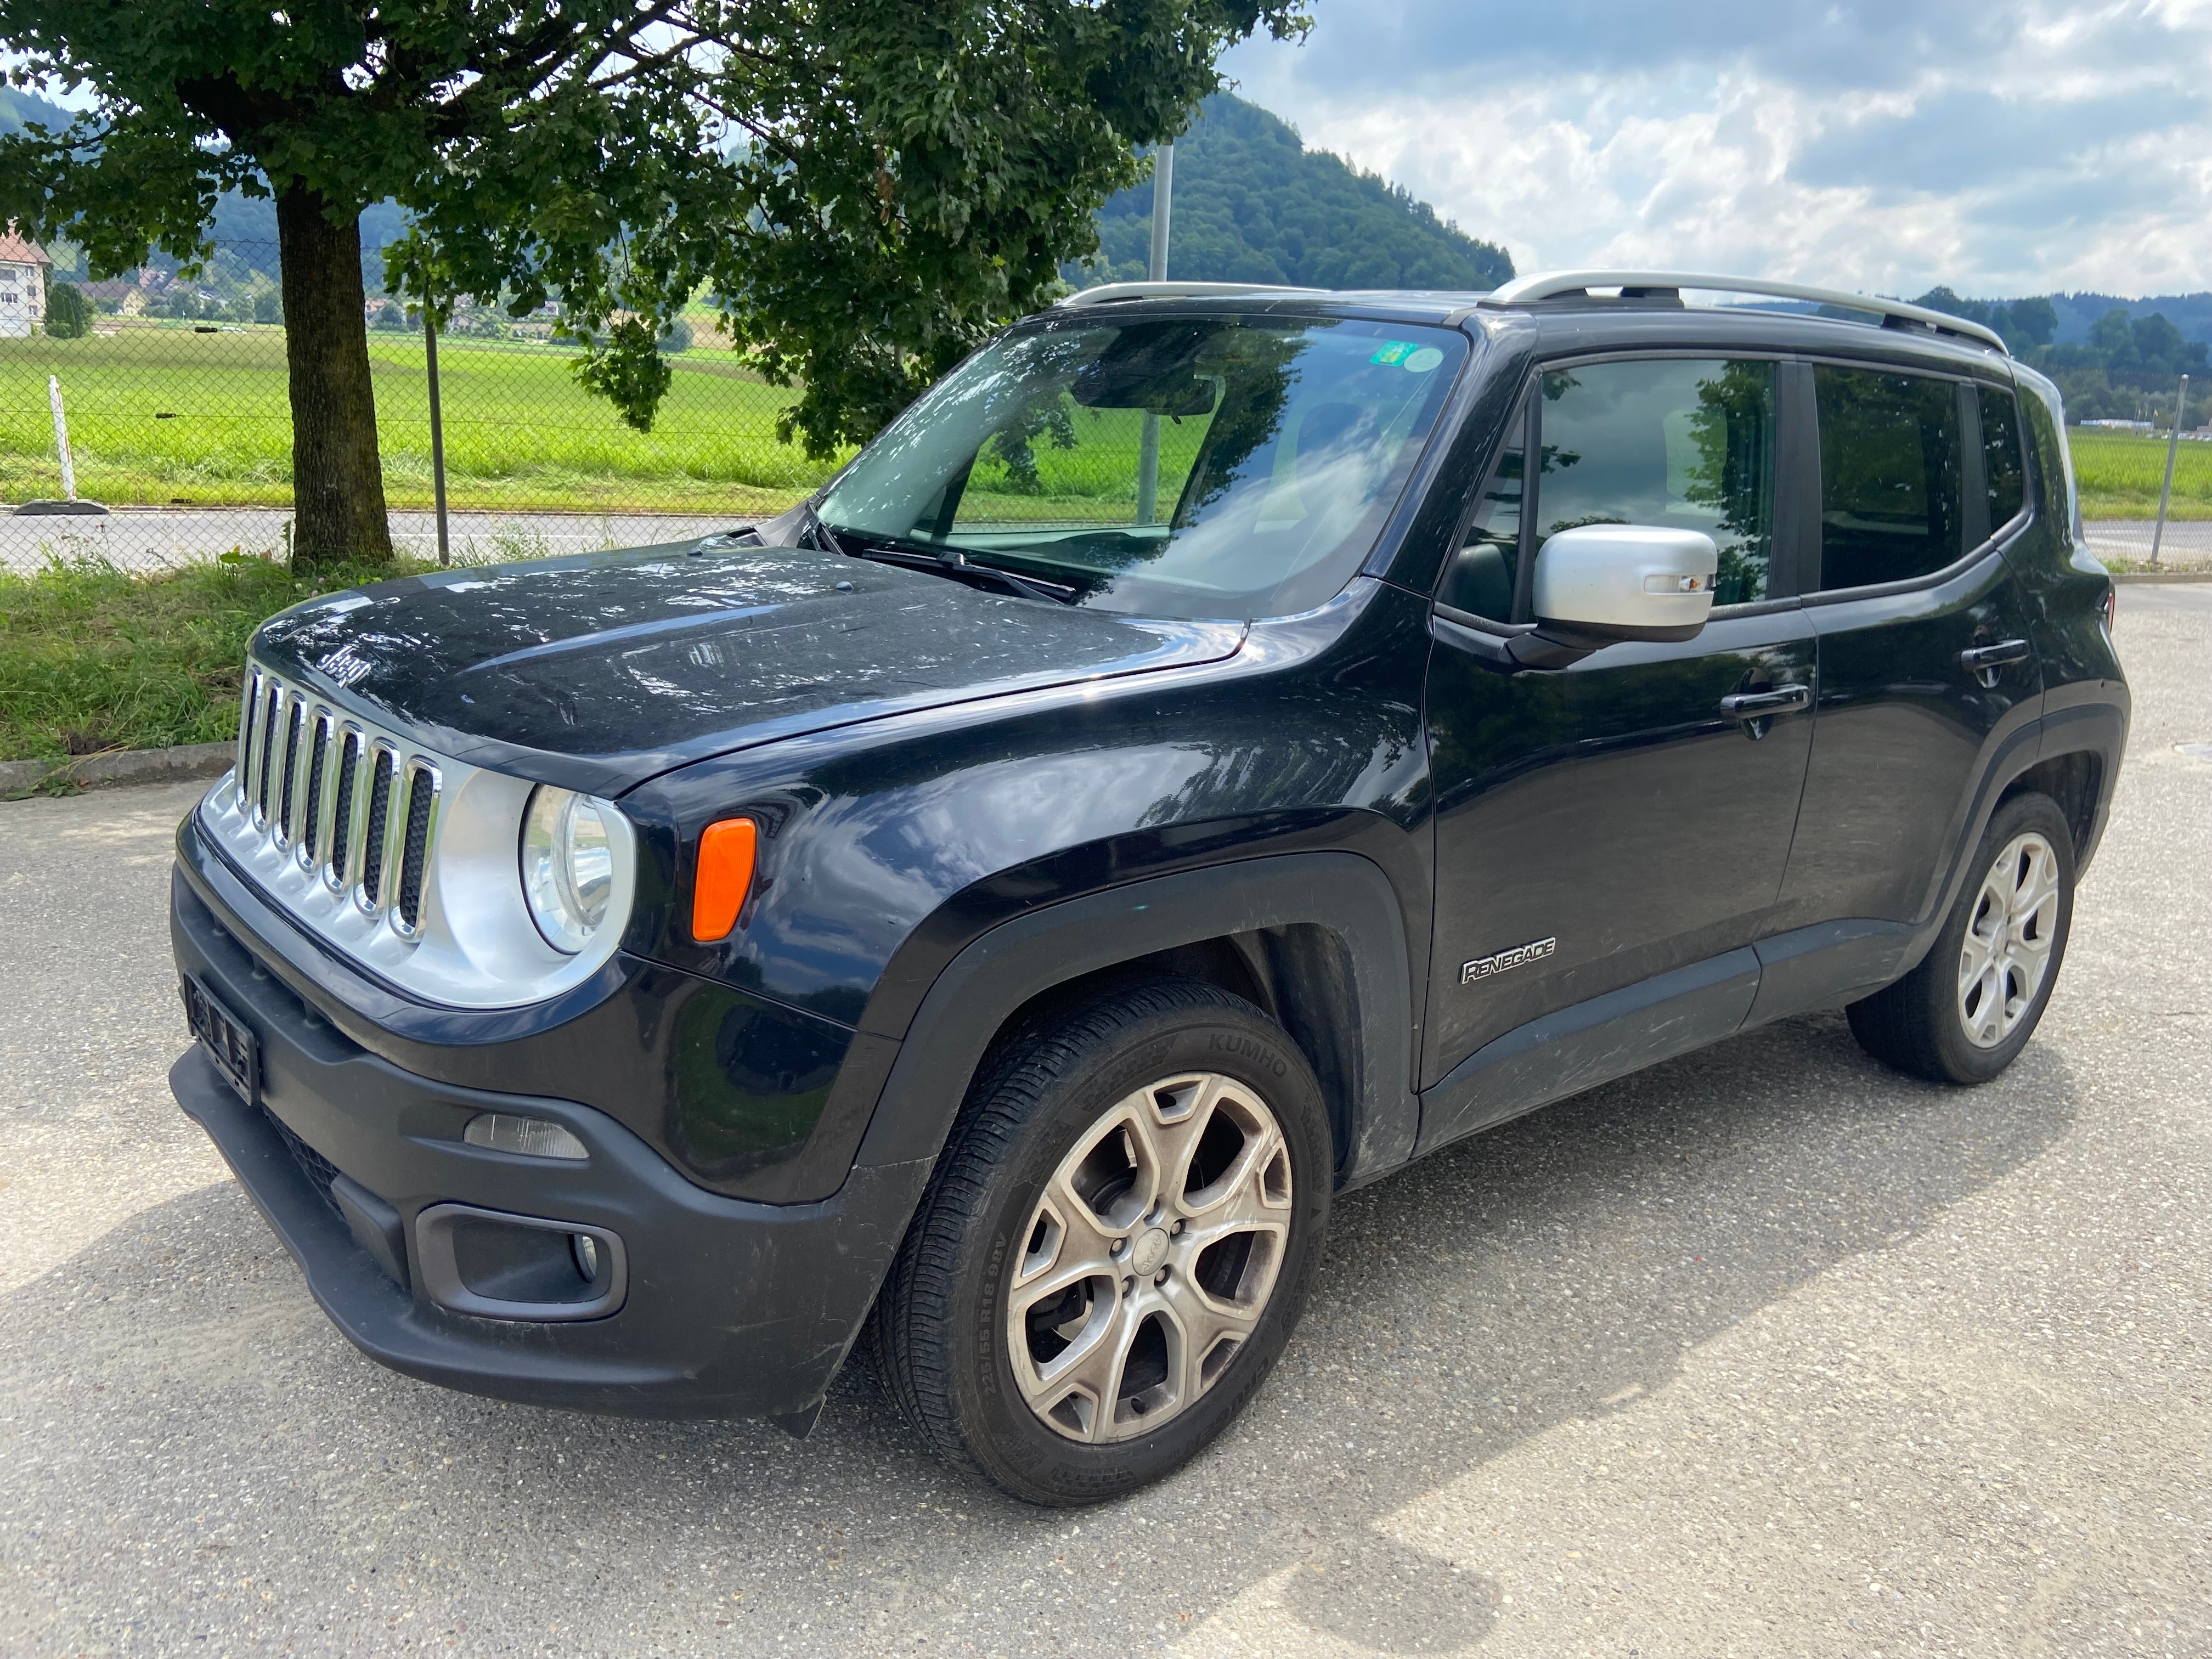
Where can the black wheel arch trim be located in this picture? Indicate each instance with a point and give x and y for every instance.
(1346, 893)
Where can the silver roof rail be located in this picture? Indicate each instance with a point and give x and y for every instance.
(1106, 293)
(1557, 284)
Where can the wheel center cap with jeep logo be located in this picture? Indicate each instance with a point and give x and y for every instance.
(1151, 1250)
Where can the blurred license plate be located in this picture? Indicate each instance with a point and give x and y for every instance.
(225, 1038)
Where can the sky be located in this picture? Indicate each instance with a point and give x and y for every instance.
(1880, 146)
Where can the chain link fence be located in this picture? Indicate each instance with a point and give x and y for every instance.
(172, 393)
(178, 420)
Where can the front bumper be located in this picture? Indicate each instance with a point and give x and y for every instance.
(730, 1308)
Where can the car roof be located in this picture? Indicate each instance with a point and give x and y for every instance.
(1570, 323)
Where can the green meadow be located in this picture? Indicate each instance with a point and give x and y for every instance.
(159, 413)
(2120, 474)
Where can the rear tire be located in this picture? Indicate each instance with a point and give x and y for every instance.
(1117, 1241)
(1965, 1012)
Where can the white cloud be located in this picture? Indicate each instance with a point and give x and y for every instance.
(1880, 148)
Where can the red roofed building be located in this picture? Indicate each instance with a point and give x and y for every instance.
(23, 268)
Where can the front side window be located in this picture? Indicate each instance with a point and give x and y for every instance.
(1688, 443)
(1480, 577)
(1187, 466)
(1890, 484)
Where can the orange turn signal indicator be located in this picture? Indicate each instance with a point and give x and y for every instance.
(725, 876)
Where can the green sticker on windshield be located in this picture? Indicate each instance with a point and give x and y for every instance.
(1393, 351)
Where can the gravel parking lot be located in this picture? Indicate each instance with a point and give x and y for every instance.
(1764, 1351)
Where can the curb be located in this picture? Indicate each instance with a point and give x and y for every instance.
(181, 764)
(2162, 575)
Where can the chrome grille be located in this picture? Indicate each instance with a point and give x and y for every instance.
(355, 809)
(415, 846)
(295, 714)
(339, 859)
(271, 699)
(376, 829)
(313, 818)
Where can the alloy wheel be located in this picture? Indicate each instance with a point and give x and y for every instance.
(2006, 953)
(1150, 1256)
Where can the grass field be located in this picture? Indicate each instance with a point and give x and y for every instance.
(92, 659)
(2120, 473)
(160, 414)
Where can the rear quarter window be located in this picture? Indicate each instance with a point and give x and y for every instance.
(2054, 463)
(2005, 469)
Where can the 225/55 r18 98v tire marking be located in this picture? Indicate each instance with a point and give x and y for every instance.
(1150, 1257)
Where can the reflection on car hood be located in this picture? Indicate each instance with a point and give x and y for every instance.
(612, 667)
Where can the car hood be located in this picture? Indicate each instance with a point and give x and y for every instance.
(599, 672)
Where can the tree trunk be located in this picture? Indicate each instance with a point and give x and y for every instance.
(337, 478)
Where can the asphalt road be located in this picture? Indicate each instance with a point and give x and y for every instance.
(1764, 1351)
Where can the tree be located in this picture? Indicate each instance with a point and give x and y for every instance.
(867, 188)
(2032, 321)
(68, 316)
(2158, 344)
(2111, 336)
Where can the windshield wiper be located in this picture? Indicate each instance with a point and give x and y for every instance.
(814, 533)
(953, 562)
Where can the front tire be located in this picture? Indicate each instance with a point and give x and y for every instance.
(1119, 1237)
(1965, 1012)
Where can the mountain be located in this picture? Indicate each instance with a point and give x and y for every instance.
(2078, 313)
(18, 107)
(1253, 204)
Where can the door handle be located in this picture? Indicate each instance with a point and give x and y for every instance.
(1757, 709)
(1757, 705)
(1994, 656)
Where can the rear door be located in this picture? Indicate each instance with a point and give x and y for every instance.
(1600, 825)
(1926, 669)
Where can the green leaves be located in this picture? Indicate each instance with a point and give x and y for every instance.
(628, 371)
(867, 189)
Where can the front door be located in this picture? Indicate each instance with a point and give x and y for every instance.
(1630, 816)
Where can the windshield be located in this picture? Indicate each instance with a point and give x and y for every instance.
(1182, 466)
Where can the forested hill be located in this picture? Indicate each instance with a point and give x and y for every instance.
(1253, 204)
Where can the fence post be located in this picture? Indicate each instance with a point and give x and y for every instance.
(2172, 447)
(61, 437)
(437, 430)
(1148, 445)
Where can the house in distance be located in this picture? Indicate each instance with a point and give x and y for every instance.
(23, 268)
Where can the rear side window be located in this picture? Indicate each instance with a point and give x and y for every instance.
(2001, 465)
(1890, 484)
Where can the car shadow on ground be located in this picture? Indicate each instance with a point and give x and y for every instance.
(1554, 1268)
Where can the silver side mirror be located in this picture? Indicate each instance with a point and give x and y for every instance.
(1625, 581)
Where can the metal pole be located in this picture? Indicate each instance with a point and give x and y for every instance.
(1148, 447)
(437, 430)
(2165, 494)
(1162, 202)
(61, 437)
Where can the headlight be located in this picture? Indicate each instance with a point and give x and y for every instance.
(567, 865)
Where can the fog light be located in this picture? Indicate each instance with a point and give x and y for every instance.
(531, 1137)
(588, 1256)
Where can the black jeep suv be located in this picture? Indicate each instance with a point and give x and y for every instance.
(1214, 748)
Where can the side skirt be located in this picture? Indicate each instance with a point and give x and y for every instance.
(1592, 1043)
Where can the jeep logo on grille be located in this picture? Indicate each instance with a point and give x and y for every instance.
(1484, 967)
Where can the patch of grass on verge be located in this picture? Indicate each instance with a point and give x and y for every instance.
(93, 659)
